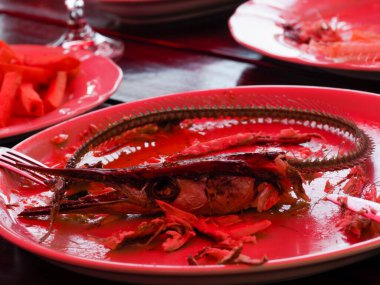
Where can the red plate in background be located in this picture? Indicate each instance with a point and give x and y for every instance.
(98, 79)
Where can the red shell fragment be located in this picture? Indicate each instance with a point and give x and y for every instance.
(179, 227)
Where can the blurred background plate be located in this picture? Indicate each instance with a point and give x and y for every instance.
(98, 79)
(141, 12)
(258, 26)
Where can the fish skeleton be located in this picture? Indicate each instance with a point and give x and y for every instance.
(209, 184)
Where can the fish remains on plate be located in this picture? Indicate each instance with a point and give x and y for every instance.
(194, 170)
(335, 40)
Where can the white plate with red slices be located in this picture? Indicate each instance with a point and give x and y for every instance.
(98, 78)
(342, 37)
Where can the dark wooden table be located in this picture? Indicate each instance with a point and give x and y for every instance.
(163, 59)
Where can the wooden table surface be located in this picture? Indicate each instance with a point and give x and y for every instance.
(164, 59)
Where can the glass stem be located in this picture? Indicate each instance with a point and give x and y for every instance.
(77, 26)
(80, 36)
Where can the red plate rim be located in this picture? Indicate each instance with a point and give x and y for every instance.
(212, 270)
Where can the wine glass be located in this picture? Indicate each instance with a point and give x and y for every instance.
(80, 36)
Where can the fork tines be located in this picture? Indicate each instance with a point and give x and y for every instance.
(9, 159)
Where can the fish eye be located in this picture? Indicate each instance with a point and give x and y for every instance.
(164, 188)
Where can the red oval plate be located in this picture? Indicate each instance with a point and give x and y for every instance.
(257, 25)
(98, 79)
(296, 245)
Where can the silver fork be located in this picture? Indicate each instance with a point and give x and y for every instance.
(10, 157)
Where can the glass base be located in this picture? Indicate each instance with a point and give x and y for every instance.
(97, 43)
